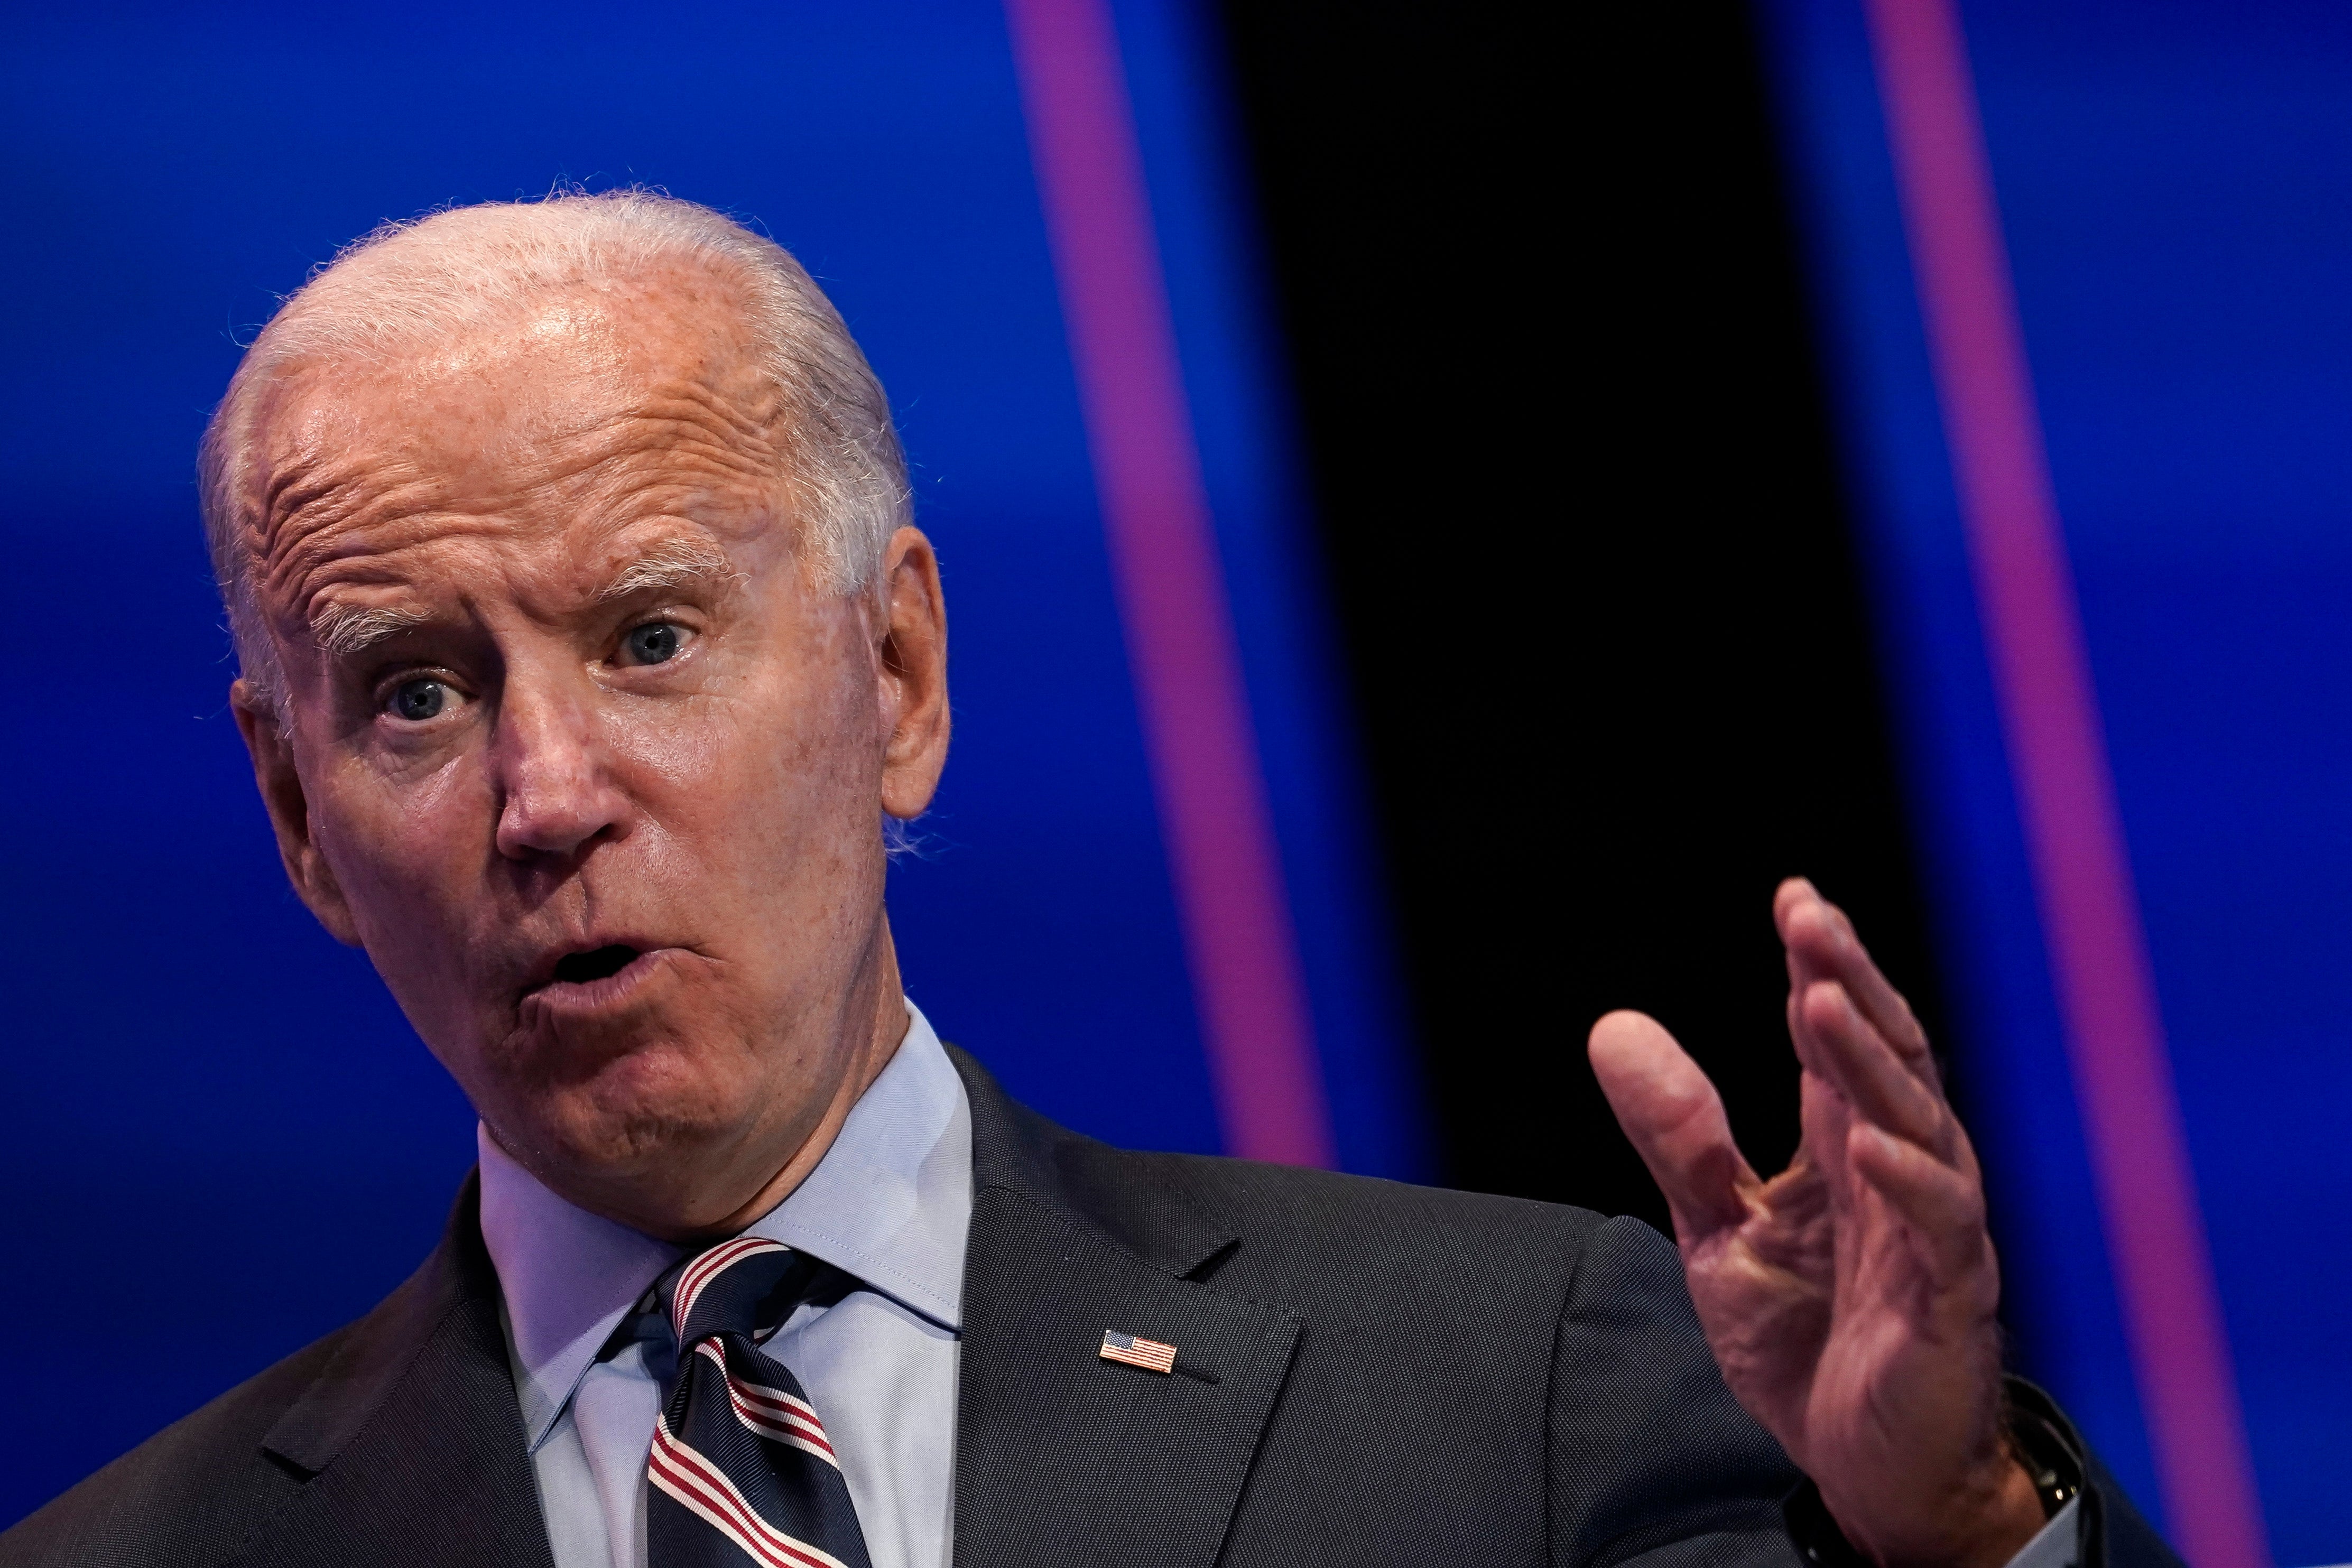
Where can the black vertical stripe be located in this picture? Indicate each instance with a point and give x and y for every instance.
(1612, 662)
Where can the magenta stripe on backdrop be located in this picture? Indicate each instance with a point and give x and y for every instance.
(1247, 980)
(2057, 751)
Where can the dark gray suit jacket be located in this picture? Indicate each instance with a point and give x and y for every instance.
(1372, 1373)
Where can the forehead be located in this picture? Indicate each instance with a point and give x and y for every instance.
(581, 412)
(533, 387)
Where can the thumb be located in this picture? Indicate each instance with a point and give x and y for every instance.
(1675, 1121)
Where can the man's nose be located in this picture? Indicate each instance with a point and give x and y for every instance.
(557, 794)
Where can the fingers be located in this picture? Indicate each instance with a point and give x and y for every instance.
(1944, 1206)
(1853, 1056)
(1852, 1027)
(1676, 1120)
(1823, 945)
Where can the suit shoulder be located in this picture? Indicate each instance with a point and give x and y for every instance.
(1311, 1235)
(190, 1494)
(1259, 1192)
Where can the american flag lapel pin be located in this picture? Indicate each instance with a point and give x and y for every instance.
(1146, 1353)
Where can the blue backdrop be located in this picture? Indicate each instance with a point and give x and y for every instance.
(213, 1121)
(2175, 178)
(215, 1125)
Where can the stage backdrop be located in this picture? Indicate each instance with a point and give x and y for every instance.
(2136, 468)
(218, 1138)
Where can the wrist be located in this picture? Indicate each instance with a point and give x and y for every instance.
(2003, 1510)
(2038, 1454)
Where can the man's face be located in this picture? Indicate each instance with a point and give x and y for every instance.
(578, 751)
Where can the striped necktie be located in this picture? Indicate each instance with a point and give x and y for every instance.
(740, 1467)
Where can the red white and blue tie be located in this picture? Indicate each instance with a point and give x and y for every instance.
(740, 1467)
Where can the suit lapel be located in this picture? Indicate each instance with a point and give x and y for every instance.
(411, 1437)
(1060, 1457)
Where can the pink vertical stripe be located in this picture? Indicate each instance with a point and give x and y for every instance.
(1251, 995)
(2057, 750)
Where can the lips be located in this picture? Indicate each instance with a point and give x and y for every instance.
(598, 972)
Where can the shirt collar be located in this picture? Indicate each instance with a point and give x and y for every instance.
(890, 1203)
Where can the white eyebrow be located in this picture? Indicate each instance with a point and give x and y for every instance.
(674, 563)
(343, 631)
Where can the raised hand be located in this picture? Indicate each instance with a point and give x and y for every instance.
(1850, 1300)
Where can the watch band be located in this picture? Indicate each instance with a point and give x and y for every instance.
(2047, 1456)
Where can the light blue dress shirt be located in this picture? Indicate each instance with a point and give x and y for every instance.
(891, 1205)
(2060, 1544)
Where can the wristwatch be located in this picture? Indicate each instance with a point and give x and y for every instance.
(2046, 1453)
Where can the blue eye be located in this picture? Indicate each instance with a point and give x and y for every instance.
(420, 699)
(653, 643)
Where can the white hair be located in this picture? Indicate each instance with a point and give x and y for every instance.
(413, 284)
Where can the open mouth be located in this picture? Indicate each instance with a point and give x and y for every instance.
(597, 964)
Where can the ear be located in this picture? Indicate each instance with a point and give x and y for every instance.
(913, 647)
(289, 810)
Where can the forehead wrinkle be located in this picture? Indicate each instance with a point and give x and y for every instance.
(363, 544)
(755, 422)
(693, 421)
(349, 525)
(685, 456)
(319, 582)
(308, 493)
(673, 444)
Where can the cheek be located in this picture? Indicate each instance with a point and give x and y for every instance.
(406, 848)
(766, 818)
(783, 761)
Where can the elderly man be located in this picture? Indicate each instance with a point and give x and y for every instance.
(585, 642)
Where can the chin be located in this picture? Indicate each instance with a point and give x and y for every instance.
(634, 1109)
